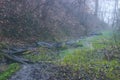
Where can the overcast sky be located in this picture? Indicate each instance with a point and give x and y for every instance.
(106, 9)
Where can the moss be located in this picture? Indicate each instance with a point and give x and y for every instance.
(11, 69)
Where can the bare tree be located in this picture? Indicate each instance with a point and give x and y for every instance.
(114, 24)
(96, 7)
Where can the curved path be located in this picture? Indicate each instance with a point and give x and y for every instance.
(41, 71)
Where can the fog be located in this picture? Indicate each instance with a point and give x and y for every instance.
(59, 39)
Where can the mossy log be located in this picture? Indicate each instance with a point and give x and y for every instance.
(15, 58)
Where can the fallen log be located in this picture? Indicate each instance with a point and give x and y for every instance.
(17, 52)
(15, 58)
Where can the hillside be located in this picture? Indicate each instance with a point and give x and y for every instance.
(46, 20)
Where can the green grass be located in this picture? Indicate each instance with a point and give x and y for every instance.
(43, 54)
(8, 70)
(93, 63)
(12, 68)
(91, 59)
(39, 57)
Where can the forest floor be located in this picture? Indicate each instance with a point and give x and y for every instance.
(43, 71)
(91, 58)
(39, 71)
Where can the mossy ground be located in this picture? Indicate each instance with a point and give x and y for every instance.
(11, 69)
(91, 58)
(7, 70)
(41, 54)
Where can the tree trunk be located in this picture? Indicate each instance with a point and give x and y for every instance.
(96, 7)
